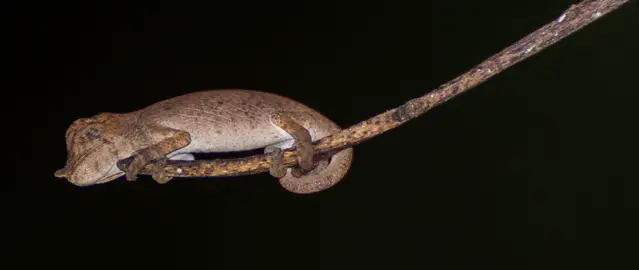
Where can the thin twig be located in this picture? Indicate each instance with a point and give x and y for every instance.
(573, 19)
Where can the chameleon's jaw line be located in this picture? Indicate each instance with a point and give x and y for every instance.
(109, 178)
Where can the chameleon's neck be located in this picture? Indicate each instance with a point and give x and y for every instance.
(129, 133)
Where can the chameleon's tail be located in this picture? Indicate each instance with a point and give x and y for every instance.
(322, 177)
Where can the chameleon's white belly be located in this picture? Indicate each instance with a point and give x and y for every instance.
(213, 139)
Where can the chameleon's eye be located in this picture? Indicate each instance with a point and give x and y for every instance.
(85, 138)
(92, 134)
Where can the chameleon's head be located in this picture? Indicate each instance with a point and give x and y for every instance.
(92, 150)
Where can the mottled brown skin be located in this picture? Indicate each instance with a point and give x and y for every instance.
(204, 122)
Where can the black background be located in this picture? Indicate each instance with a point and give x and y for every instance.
(534, 169)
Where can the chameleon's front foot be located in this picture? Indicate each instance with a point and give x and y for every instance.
(158, 174)
(135, 166)
(157, 153)
(140, 161)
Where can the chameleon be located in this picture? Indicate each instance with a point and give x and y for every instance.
(208, 121)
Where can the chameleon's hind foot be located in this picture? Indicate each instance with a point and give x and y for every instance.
(276, 166)
(303, 141)
(304, 149)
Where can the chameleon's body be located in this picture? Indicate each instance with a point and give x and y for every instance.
(204, 122)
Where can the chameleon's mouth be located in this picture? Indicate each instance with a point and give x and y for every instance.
(70, 168)
(112, 173)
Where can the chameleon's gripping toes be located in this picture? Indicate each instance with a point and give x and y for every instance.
(204, 122)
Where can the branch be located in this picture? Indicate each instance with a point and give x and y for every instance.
(573, 19)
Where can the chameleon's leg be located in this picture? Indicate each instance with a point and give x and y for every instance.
(142, 157)
(303, 141)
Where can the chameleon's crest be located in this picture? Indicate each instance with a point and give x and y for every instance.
(82, 123)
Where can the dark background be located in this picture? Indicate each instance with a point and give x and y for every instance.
(534, 169)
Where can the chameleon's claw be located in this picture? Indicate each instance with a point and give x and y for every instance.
(158, 173)
(305, 163)
(131, 175)
(139, 161)
(276, 168)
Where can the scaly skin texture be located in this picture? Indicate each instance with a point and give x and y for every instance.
(204, 122)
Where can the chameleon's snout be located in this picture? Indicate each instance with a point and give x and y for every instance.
(61, 173)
